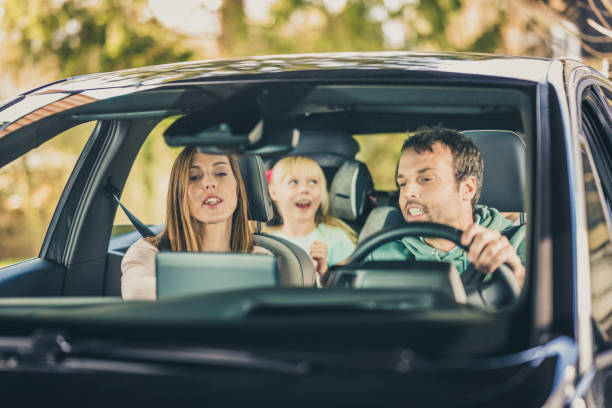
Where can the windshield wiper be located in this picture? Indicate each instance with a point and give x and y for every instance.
(40, 348)
(191, 355)
(51, 350)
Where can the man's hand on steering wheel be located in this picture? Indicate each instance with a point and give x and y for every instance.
(488, 249)
(499, 291)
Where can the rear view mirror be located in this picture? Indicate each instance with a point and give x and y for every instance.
(221, 139)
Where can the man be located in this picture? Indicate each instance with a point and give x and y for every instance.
(439, 176)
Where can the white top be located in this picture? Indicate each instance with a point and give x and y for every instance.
(138, 271)
(339, 245)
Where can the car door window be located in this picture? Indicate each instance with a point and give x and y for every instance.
(30, 187)
(145, 190)
(372, 148)
(598, 191)
(607, 96)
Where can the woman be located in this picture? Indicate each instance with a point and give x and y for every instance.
(206, 210)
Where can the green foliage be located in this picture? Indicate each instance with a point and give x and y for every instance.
(297, 26)
(488, 41)
(437, 13)
(83, 36)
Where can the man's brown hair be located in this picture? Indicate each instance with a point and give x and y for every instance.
(467, 159)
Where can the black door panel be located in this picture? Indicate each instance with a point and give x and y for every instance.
(36, 277)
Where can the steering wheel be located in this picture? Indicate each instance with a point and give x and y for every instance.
(497, 291)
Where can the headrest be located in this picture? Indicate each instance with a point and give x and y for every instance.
(349, 190)
(328, 148)
(505, 168)
(256, 186)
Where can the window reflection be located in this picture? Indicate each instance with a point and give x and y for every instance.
(600, 247)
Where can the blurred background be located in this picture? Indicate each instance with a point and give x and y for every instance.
(46, 40)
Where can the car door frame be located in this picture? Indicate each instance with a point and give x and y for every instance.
(593, 363)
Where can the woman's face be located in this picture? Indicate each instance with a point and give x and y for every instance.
(212, 192)
(298, 196)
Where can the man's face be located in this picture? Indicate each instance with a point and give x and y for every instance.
(428, 190)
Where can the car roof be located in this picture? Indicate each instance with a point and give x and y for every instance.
(64, 95)
(301, 65)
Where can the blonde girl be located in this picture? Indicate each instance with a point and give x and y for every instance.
(299, 191)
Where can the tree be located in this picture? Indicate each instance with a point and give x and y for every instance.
(83, 36)
(71, 37)
(372, 25)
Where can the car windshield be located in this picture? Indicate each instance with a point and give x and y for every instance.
(226, 201)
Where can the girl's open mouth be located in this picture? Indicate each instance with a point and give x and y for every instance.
(303, 204)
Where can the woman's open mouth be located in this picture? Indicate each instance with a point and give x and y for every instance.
(212, 201)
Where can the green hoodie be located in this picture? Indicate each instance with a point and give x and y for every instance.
(415, 248)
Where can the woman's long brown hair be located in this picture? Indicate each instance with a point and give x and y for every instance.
(182, 232)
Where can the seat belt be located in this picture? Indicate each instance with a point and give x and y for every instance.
(140, 227)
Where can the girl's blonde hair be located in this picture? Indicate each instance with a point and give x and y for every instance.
(182, 232)
(300, 164)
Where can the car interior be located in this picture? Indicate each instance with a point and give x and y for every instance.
(324, 118)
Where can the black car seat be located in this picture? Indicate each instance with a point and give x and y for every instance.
(295, 266)
(329, 148)
(349, 195)
(505, 168)
(505, 171)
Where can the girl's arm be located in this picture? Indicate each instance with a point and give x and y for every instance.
(318, 253)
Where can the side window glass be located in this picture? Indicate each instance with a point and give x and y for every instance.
(607, 96)
(145, 190)
(30, 187)
(598, 224)
(600, 250)
(372, 148)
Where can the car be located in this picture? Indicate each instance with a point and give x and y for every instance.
(543, 127)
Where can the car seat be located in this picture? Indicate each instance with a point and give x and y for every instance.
(505, 168)
(349, 195)
(329, 148)
(503, 187)
(295, 266)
